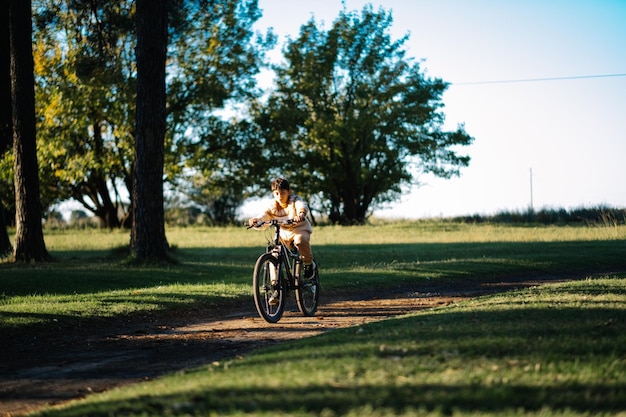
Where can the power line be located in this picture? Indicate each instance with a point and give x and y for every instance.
(530, 80)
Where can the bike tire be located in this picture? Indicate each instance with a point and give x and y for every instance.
(308, 294)
(263, 288)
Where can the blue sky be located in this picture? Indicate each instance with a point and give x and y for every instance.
(570, 132)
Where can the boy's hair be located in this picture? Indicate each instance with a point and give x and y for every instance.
(280, 184)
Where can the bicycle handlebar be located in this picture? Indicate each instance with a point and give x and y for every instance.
(272, 222)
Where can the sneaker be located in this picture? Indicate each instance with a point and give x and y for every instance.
(309, 270)
(274, 298)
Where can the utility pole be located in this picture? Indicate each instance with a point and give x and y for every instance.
(531, 191)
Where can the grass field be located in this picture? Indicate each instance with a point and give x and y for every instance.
(554, 350)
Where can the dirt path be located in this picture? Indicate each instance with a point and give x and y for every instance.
(55, 366)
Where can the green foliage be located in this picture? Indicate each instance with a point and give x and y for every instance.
(84, 63)
(352, 120)
(86, 83)
(214, 63)
(220, 164)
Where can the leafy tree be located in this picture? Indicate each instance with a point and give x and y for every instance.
(221, 167)
(216, 57)
(147, 238)
(353, 120)
(29, 242)
(84, 60)
(87, 80)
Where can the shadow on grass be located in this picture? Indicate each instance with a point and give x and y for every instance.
(341, 265)
(315, 400)
(580, 351)
(84, 274)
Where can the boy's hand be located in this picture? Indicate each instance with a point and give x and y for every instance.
(252, 221)
(299, 218)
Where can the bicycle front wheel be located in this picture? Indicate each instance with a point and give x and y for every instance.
(269, 288)
(308, 294)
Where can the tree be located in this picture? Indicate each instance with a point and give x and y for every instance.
(85, 61)
(6, 129)
(222, 167)
(216, 57)
(353, 120)
(148, 239)
(29, 242)
(85, 69)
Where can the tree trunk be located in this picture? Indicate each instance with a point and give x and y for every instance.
(148, 226)
(29, 242)
(6, 131)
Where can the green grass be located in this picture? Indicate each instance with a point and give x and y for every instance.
(89, 280)
(552, 350)
(555, 350)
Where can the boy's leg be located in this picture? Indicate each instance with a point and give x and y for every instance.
(301, 241)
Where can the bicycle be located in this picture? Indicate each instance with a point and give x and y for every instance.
(277, 272)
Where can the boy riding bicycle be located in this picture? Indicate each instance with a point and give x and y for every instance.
(286, 206)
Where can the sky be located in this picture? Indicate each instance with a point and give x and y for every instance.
(539, 84)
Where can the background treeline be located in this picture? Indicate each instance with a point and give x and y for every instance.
(349, 118)
(598, 215)
(179, 216)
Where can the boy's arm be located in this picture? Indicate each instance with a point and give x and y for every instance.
(265, 217)
(301, 210)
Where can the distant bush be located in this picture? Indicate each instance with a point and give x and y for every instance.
(596, 216)
(78, 219)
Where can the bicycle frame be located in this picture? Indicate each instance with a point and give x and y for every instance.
(288, 258)
(276, 273)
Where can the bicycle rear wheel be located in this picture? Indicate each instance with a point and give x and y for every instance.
(308, 294)
(269, 288)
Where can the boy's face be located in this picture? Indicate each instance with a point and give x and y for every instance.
(281, 196)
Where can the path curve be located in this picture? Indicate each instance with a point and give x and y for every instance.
(59, 365)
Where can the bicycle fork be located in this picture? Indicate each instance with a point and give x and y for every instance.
(289, 264)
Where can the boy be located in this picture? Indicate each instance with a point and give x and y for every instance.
(289, 206)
